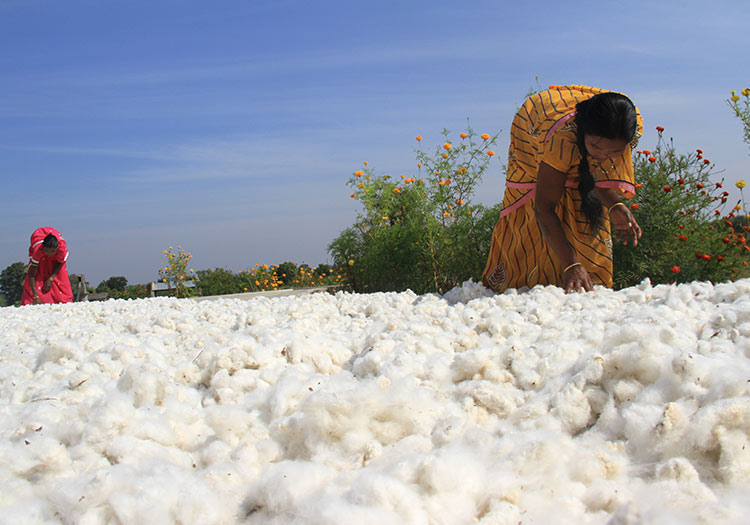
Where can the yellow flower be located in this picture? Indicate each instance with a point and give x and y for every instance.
(746, 92)
(740, 184)
(735, 98)
(351, 262)
(447, 145)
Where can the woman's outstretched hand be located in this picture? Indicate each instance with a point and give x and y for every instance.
(577, 279)
(626, 227)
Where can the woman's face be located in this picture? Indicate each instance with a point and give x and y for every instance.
(49, 252)
(600, 148)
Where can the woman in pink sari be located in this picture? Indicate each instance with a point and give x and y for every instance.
(47, 279)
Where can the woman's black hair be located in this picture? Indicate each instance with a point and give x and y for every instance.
(50, 241)
(609, 115)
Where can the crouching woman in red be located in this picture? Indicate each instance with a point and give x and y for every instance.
(47, 278)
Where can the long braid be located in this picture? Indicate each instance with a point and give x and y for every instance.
(590, 203)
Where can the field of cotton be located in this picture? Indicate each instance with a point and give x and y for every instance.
(392, 408)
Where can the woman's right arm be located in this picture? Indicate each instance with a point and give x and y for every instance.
(550, 186)
(32, 283)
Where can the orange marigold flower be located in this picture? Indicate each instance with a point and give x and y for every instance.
(699, 186)
(447, 181)
(447, 145)
(447, 214)
(463, 135)
(659, 129)
(667, 188)
(485, 136)
(680, 181)
(358, 173)
(675, 269)
(490, 153)
(634, 206)
(647, 152)
(717, 212)
(639, 185)
(652, 159)
(419, 165)
(445, 155)
(706, 257)
(719, 258)
(351, 195)
(683, 238)
(419, 137)
(706, 161)
(459, 202)
(365, 163)
(718, 185)
(699, 151)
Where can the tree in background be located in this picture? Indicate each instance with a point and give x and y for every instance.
(116, 284)
(11, 282)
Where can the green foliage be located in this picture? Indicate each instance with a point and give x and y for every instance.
(11, 282)
(420, 232)
(175, 270)
(687, 234)
(218, 281)
(117, 284)
(741, 108)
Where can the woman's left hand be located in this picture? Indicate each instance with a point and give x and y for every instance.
(47, 285)
(626, 227)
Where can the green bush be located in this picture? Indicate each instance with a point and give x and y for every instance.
(420, 232)
(687, 233)
(218, 281)
(11, 282)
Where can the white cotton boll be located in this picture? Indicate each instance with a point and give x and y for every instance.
(604, 496)
(500, 512)
(287, 486)
(677, 469)
(146, 384)
(108, 417)
(380, 492)
(572, 408)
(61, 351)
(455, 481)
(640, 422)
(165, 494)
(499, 399)
(734, 461)
(228, 423)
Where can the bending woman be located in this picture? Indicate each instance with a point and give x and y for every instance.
(569, 163)
(47, 279)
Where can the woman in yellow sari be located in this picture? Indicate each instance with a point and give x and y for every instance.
(569, 162)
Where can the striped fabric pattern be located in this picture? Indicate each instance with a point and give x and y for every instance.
(544, 130)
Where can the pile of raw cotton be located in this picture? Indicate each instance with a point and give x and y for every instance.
(537, 407)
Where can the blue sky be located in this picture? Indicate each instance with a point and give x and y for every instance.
(230, 127)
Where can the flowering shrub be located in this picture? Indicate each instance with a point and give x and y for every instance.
(690, 231)
(175, 270)
(262, 277)
(420, 231)
(741, 108)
